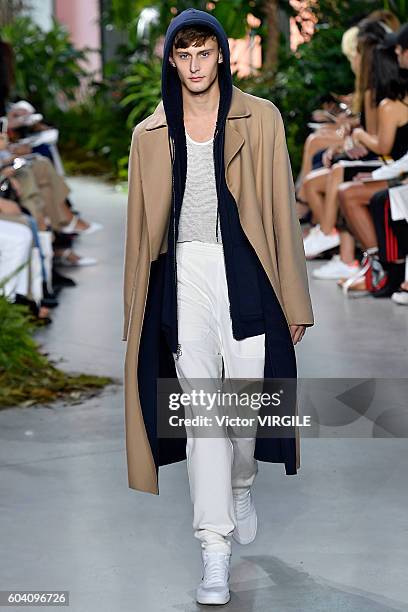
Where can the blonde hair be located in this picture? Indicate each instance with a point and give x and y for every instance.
(349, 42)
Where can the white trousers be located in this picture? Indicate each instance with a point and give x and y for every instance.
(216, 466)
(15, 247)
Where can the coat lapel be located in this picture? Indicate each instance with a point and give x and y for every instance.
(155, 169)
(155, 163)
(232, 145)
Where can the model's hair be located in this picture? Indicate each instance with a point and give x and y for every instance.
(193, 36)
(389, 81)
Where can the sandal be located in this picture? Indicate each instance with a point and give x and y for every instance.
(72, 228)
(69, 259)
(355, 286)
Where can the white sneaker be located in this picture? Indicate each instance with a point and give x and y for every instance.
(317, 242)
(246, 519)
(214, 587)
(400, 297)
(335, 269)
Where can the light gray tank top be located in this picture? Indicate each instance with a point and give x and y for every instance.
(198, 216)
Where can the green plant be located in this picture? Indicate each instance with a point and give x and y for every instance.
(142, 91)
(399, 7)
(48, 67)
(318, 67)
(26, 375)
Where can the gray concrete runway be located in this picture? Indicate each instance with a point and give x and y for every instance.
(332, 538)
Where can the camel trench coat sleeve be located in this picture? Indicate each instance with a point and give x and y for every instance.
(288, 235)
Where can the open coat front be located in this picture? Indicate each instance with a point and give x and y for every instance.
(258, 175)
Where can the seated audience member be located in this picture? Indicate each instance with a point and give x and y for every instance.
(391, 139)
(321, 186)
(15, 251)
(42, 193)
(53, 187)
(385, 278)
(20, 267)
(379, 180)
(331, 133)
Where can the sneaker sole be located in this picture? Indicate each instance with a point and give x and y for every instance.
(338, 277)
(220, 599)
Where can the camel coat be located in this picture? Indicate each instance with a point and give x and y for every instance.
(258, 175)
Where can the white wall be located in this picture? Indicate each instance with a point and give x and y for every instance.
(41, 11)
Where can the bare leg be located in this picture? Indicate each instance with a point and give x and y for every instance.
(81, 224)
(354, 198)
(314, 142)
(302, 209)
(330, 209)
(347, 247)
(315, 185)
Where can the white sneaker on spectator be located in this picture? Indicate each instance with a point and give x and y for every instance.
(335, 269)
(317, 242)
(400, 297)
(214, 585)
(245, 515)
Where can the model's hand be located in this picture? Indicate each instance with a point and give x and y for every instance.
(297, 332)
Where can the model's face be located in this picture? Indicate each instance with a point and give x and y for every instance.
(402, 55)
(197, 67)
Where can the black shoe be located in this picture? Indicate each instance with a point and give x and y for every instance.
(395, 274)
(58, 280)
(49, 299)
(34, 309)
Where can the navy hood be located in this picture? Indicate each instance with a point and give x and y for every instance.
(173, 107)
(171, 86)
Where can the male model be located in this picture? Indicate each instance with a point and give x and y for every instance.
(215, 278)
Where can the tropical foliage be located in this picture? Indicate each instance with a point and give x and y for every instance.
(48, 68)
(26, 375)
(96, 130)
